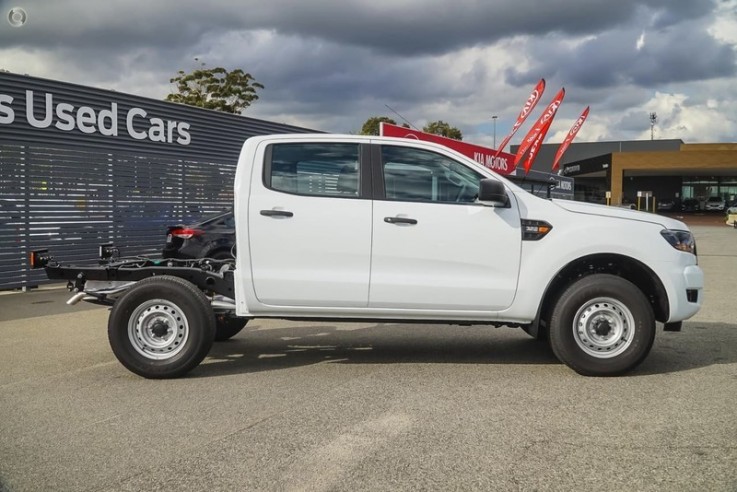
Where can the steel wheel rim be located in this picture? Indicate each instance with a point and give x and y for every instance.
(603, 328)
(158, 329)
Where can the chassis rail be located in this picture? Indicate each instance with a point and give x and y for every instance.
(208, 275)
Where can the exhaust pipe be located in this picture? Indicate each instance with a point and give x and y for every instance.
(76, 298)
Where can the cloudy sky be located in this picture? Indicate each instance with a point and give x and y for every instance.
(330, 64)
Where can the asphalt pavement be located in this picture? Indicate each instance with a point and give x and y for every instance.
(330, 406)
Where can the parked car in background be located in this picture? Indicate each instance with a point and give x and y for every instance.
(690, 205)
(212, 237)
(732, 208)
(666, 205)
(715, 203)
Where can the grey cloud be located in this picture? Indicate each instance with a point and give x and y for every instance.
(681, 53)
(402, 28)
(325, 72)
(671, 12)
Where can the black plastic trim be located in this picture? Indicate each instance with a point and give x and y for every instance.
(377, 173)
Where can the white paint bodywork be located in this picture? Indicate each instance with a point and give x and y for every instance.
(337, 257)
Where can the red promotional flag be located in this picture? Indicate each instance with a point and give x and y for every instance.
(532, 135)
(536, 145)
(532, 100)
(569, 138)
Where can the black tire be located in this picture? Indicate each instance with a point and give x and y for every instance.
(139, 319)
(615, 328)
(226, 327)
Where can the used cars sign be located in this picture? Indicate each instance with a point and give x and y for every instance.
(42, 111)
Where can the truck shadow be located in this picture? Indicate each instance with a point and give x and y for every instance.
(256, 350)
(700, 344)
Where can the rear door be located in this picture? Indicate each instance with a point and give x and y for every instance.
(310, 225)
(434, 247)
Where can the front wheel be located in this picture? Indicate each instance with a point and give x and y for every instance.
(161, 328)
(602, 325)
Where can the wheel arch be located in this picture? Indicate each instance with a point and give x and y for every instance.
(631, 269)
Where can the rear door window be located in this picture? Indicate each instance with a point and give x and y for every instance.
(314, 169)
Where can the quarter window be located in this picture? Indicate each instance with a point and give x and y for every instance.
(319, 169)
(424, 176)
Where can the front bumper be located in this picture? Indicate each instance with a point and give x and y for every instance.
(686, 292)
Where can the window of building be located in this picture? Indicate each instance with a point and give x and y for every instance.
(701, 188)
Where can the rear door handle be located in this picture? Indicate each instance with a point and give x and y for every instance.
(400, 220)
(277, 213)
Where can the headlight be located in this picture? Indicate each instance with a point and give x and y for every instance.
(681, 240)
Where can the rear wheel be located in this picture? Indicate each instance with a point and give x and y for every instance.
(602, 325)
(161, 328)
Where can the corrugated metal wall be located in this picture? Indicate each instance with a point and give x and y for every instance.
(69, 191)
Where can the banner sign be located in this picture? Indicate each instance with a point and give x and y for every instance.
(536, 146)
(569, 138)
(499, 162)
(532, 100)
(534, 132)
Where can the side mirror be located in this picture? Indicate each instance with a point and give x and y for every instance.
(493, 192)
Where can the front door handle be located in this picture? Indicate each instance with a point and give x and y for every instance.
(277, 213)
(400, 220)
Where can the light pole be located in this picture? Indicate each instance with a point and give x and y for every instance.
(493, 118)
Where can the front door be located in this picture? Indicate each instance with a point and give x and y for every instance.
(434, 247)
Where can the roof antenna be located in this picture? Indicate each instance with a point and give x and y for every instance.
(402, 117)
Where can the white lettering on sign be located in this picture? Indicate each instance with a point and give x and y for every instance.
(41, 112)
(64, 117)
(488, 160)
(7, 115)
(129, 123)
(30, 115)
(562, 185)
(530, 101)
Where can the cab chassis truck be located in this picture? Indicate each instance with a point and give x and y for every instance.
(354, 228)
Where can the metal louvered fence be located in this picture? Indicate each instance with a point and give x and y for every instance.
(71, 201)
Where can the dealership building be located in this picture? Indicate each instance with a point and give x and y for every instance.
(659, 169)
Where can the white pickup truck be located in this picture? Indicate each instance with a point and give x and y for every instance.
(352, 228)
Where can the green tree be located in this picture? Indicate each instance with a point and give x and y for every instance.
(443, 129)
(215, 88)
(371, 126)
